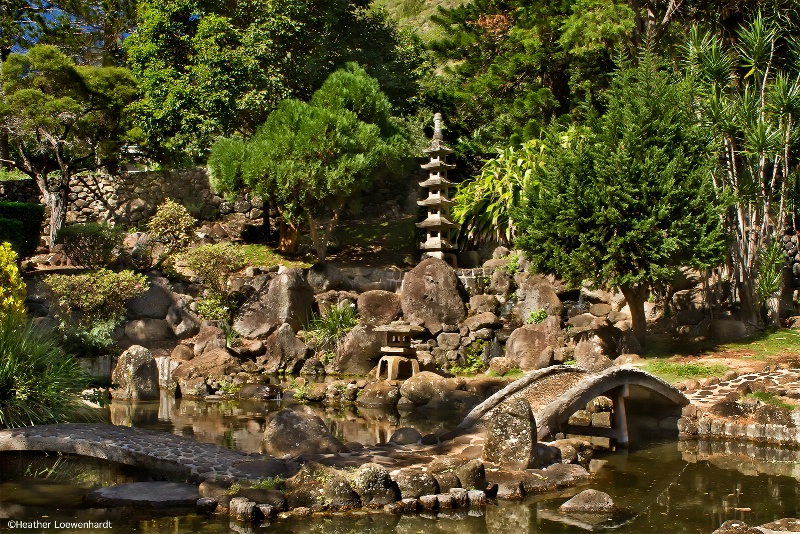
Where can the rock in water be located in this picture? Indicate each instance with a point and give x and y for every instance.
(136, 375)
(589, 502)
(511, 436)
(296, 433)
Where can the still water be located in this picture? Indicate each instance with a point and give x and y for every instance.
(672, 487)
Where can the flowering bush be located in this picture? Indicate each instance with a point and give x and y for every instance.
(12, 288)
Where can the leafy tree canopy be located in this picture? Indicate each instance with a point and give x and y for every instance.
(632, 201)
(209, 68)
(310, 158)
(62, 119)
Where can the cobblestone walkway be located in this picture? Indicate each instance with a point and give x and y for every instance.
(784, 382)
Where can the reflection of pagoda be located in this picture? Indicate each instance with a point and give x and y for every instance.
(438, 224)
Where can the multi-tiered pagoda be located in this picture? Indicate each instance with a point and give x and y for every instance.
(438, 225)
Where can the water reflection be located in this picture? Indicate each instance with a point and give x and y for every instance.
(239, 424)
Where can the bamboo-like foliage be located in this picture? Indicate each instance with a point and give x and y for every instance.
(749, 98)
(483, 206)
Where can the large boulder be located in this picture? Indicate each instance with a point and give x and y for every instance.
(525, 347)
(593, 352)
(214, 363)
(209, 338)
(136, 375)
(424, 387)
(146, 331)
(431, 296)
(374, 485)
(284, 352)
(288, 299)
(183, 321)
(325, 277)
(379, 307)
(728, 330)
(414, 483)
(536, 293)
(511, 436)
(380, 393)
(360, 351)
(295, 433)
(153, 303)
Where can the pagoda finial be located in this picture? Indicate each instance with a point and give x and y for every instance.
(437, 126)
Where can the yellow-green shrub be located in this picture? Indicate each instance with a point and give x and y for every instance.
(12, 288)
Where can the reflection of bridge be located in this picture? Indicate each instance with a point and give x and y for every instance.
(557, 392)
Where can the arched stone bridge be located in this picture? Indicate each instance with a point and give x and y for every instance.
(557, 392)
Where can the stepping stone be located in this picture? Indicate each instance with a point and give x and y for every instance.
(149, 494)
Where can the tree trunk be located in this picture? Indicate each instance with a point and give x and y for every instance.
(289, 237)
(748, 302)
(58, 214)
(318, 239)
(635, 297)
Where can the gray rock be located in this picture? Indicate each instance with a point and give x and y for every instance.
(511, 436)
(295, 433)
(536, 293)
(147, 494)
(136, 375)
(339, 494)
(482, 320)
(182, 353)
(380, 393)
(153, 303)
(448, 340)
(592, 353)
(210, 337)
(283, 352)
(379, 307)
(374, 485)
(288, 299)
(259, 391)
(326, 277)
(727, 330)
(431, 296)
(192, 386)
(423, 387)
(243, 509)
(525, 345)
(360, 351)
(484, 303)
(414, 483)
(146, 331)
(734, 526)
(405, 436)
(214, 363)
(589, 502)
(184, 322)
(501, 365)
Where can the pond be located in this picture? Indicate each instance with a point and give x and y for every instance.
(673, 487)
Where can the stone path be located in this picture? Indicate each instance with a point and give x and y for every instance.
(784, 382)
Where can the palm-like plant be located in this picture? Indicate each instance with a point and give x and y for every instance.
(750, 98)
(39, 383)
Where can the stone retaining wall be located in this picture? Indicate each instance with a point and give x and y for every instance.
(705, 427)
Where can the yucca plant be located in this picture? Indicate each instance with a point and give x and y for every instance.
(39, 382)
(327, 331)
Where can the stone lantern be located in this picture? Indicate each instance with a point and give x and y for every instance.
(438, 225)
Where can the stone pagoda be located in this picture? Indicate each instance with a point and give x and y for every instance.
(438, 225)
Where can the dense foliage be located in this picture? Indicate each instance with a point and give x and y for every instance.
(92, 245)
(39, 382)
(632, 201)
(30, 217)
(209, 68)
(310, 159)
(61, 119)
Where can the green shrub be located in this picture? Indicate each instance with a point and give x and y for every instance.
(12, 175)
(12, 288)
(172, 227)
(328, 331)
(473, 361)
(213, 264)
(39, 382)
(31, 216)
(12, 232)
(225, 164)
(91, 244)
(91, 305)
(536, 317)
